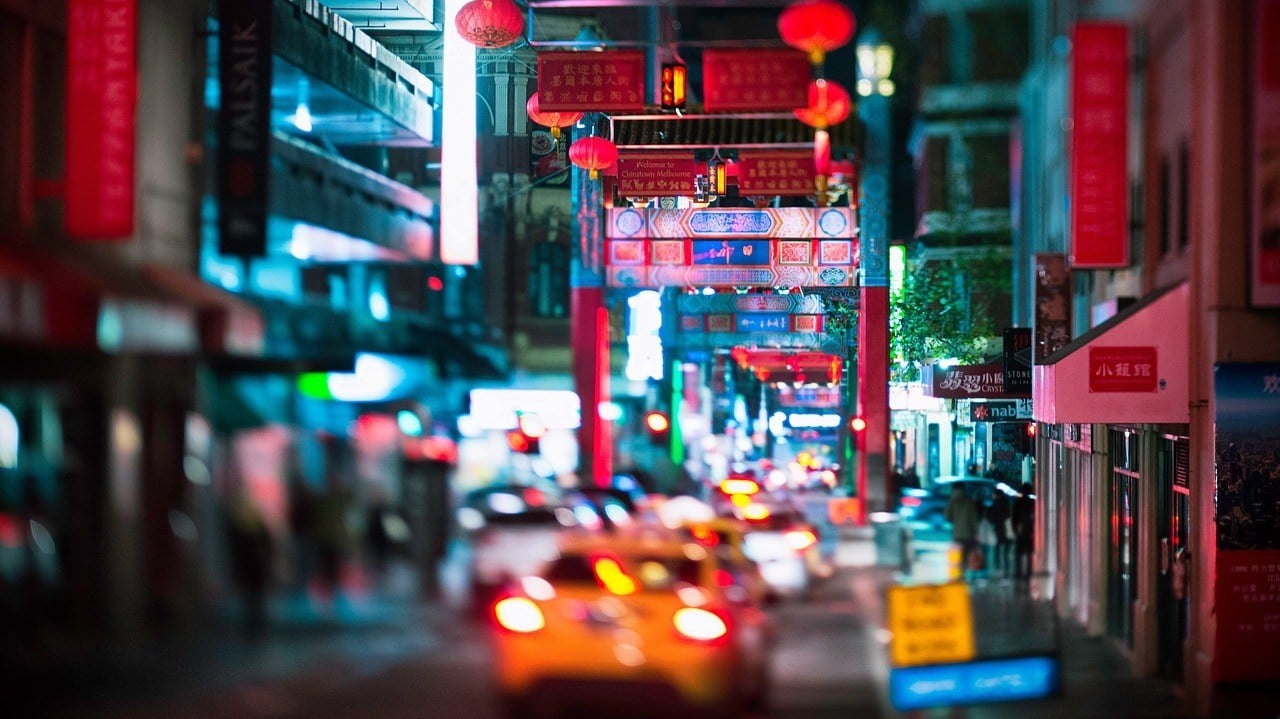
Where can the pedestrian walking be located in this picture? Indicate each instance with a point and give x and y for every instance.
(1023, 519)
(999, 513)
(962, 513)
(250, 546)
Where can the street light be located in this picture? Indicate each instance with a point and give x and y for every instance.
(875, 63)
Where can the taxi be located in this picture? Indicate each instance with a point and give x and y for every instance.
(645, 616)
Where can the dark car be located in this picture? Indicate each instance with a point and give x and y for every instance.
(926, 506)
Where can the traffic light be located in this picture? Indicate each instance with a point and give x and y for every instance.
(674, 80)
(524, 438)
(658, 425)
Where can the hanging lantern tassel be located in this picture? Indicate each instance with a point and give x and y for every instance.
(593, 154)
(822, 155)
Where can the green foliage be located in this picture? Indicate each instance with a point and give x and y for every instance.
(947, 308)
(840, 317)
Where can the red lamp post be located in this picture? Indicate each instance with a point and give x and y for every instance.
(816, 27)
(553, 120)
(490, 23)
(593, 154)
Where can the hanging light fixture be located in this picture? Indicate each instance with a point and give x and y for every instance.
(829, 104)
(816, 27)
(490, 23)
(553, 120)
(593, 154)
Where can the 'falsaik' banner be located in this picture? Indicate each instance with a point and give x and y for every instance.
(244, 125)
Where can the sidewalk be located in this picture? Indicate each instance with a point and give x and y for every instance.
(1096, 679)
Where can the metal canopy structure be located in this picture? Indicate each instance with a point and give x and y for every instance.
(392, 15)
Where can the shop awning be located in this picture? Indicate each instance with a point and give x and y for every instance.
(1131, 368)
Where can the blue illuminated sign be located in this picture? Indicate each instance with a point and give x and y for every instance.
(763, 322)
(731, 252)
(1000, 680)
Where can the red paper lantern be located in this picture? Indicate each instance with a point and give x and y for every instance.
(816, 27)
(553, 120)
(593, 154)
(490, 23)
(829, 104)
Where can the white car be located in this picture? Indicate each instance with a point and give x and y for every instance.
(513, 532)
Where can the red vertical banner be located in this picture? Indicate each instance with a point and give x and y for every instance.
(1265, 264)
(1099, 138)
(102, 92)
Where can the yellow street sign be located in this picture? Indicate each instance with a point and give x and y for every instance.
(931, 624)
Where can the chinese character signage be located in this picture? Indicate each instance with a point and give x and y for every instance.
(1053, 305)
(731, 252)
(756, 80)
(1122, 369)
(656, 174)
(244, 125)
(969, 382)
(776, 173)
(1247, 588)
(102, 91)
(1265, 232)
(610, 81)
(1099, 114)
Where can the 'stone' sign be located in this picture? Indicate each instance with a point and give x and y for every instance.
(1122, 369)
(757, 80)
(776, 173)
(1017, 360)
(610, 81)
(102, 91)
(656, 174)
(931, 624)
(1099, 113)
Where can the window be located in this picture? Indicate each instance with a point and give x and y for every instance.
(1184, 228)
(1165, 234)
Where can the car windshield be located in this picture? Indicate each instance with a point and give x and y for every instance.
(650, 572)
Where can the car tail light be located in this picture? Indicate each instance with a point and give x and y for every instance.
(518, 614)
(911, 501)
(800, 539)
(739, 486)
(700, 624)
(611, 576)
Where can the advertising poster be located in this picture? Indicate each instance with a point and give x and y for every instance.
(1265, 269)
(1247, 588)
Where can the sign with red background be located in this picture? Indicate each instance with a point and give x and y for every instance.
(1100, 122)
(776, 173)
(1122, 369)
(758, 80)
(656, 174)
(102, 91)
(610, 81)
